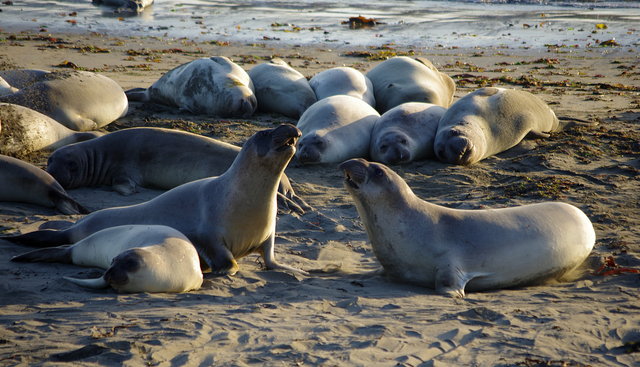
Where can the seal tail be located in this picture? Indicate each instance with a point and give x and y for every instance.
(50, 255)
(137, 94)
(41, 238)
(95, 283)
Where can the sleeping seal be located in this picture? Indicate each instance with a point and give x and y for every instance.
(151, 157)
(343, 80)
(23, 182)
(23, 130)
(334, 129)
(79, 100)
(281, 89)
(405, 133)
(403, 79)
(137, 258)
(213, 86)
(489, 121)
(452, 250)
(225, 217)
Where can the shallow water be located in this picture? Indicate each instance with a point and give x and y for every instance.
(484, 23)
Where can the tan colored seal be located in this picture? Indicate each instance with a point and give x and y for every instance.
(137, 258)
(455, 250)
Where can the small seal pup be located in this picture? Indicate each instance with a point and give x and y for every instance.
(23, 182)
(213, 86)
(334, 129)
(405, 133)
(225, 217)
(79, 100)
(137, 258)
(452, 250)
(343, 80)
(151, 157)
(281, 89)
(403, 79)
(24, 130)
(489, 121)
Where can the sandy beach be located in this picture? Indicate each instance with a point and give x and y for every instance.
(347, 313)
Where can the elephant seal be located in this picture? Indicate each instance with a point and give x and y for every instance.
(79, 100)
(489, 121)
(137, 258)
(151, 157)
(334, 129)
(23, 182)
(403, 79)
(405, 133)
(213, 86)
(343, 80)
(225, 217)
(452, 250)
(24, 130)
(281, 89)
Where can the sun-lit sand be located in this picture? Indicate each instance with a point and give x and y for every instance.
(347, 313)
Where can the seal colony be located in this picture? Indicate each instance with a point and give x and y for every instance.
(451, 250)
(226, 218)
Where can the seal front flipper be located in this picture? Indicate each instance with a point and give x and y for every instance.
(41, 238)
(95, 283)
(451, 280)
(137, 95)
(267, 252)
(218, 259)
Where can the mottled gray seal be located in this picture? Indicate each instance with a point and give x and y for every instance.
(334, 129)
(405, 133)
(213, 86)
(452, 250)
(79, 100)
(403, 79)
(151, 157)
(343, 80)
(137, 258)
(491, 120)
(24, 130)
(281, 89)
(25, 183)
(226, 217)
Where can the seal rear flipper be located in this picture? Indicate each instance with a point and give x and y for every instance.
(137, 95)
(50, 255)
(41, 238)
(67, 205)
(96, 283)
(537, 135)
(451, 280)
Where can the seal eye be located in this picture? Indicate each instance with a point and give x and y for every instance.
(378, 172)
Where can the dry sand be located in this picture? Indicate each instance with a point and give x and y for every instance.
(353, 316)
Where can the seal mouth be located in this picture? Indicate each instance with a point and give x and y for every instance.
(286, 137)
(355, 172)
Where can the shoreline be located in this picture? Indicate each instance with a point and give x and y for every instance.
(350, 315)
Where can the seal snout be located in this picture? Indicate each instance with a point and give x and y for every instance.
(457, 150)
(285, 136)
(355, 172)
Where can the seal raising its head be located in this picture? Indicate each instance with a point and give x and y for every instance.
(452, 250)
